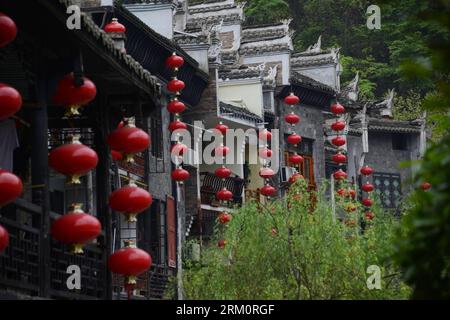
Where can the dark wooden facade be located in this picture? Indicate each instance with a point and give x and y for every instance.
(45, 50)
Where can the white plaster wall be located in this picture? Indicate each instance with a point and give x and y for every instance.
(157, 17)
(250, 93)
(236, 28)
(325, 74)
(284, 58)
(200, 55)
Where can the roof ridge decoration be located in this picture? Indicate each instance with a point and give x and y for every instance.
(387, 104)
(351, 91)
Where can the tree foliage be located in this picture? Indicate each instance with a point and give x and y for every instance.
(296, 250)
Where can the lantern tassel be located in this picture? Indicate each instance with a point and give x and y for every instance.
(72, 110)
(77, 248)
(74, 179)
(131, 217)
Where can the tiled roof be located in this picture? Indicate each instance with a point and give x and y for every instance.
(181, 39)
(239, 113)
(261, 33)
(389, 125)
(302, 59)
(272, 45)
(242, 73)
(302, 80)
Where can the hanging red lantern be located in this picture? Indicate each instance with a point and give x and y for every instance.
(178, 149)
(221, 150)
(338, 125)
(224, 195)
(114, 27)
(4, 238)
(367, 187)
(366, 170)
(340, 175)
(175, 85)
(129, 140)
(342, 192)
(180, 175)
(116, 155)
(425, 186)
(351, 193)
(295, 158)
(222, 172)
(129, 262)
(73, 160)
(367, 202)
(265, 153)
(10, 187)
(338, 141)
(10, 101)
(8, 30)
(176, 106)
(224, 217)
(130, 200)
(268, 190)
(292, 118)
(174, 62)
(177, 125)
(73, 97)
(291, 99)
(221, 243)
(295, 177)
(265, 135)
(339, 158)
(222, 128)
(369, 215)
(266, 173)
(76, 228)
(337, 108)
(294, 138)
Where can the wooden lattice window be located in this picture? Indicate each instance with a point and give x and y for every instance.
(388, 188)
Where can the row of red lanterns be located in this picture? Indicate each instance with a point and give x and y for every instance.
(338, 126)
(367, 187)
(10, 103)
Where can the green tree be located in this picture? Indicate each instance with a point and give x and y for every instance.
(296, 250)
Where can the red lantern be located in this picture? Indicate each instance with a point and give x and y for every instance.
(294, 138)
(73, 160)
(129, 140)
(129, 262)
(342, 192)
(425, 186)
(367, 202)
(366, 170)
(180, 175)
(221, 244)
(223, 172)
(175, 85)
(71, 96)
(367, 187)
(178, 149)
(130, 200)
(338, 125)
(351, 193)
(174, 62)
(292, 118)
(114, 27)
(369, 215)
(177, 125)
(10, 187)
(268, 190)
(266, 173)
(339, 158)
(224, 217)
(291, 99)
(4, 238)
(222, 128)
(224, 195)
(265, 135)
(350, 223)
(265, 153)
(116, 155)
(10, 101)
(337, 108)
(176, 106)
(76, 228)
(295, 158)
(8, 30)
(340, 175)
(295, 177)
(338, 141)
(221, 151)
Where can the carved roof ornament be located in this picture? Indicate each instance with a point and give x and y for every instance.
(315, 48)
(386, 104)
(270, 78)
(351, 91)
